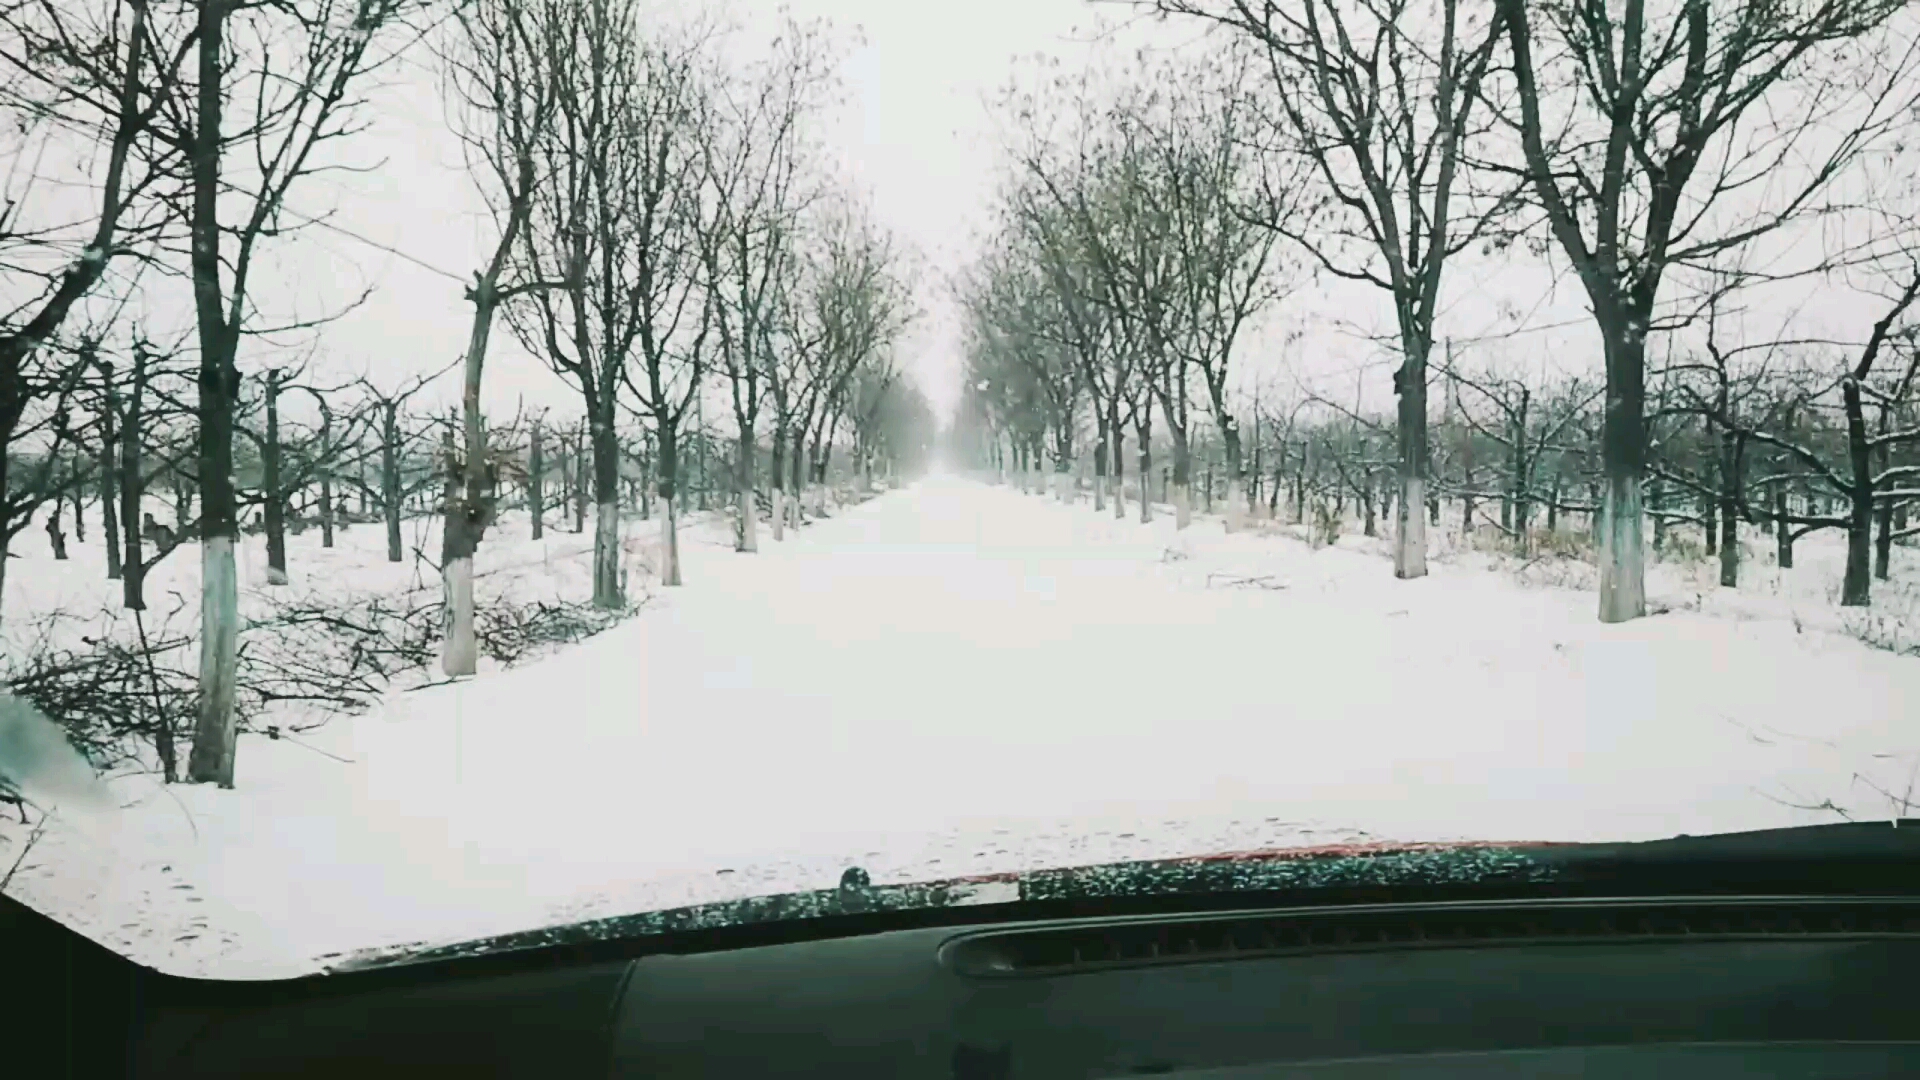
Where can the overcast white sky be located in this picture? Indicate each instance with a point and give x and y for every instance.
(913, 134)
(916, 135)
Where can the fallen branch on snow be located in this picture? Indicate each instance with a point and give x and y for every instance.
(1243, 581)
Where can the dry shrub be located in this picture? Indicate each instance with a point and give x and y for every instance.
(1561, 543)
(1488, 538)
(1683, 549)
(123, 691)
(1892, 623)
(1326, 525)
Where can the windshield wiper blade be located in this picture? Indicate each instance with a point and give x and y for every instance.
(1856, 857)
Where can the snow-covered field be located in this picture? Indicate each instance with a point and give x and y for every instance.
(957, 678)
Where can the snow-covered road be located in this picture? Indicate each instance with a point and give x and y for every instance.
(958, 678)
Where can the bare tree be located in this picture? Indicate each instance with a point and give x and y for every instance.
(1645, 143)
(1227, 272)
(393, 436)
(45, 422)
(289, 75)
(1377, 99)
(755, 188)
(1863, 474)
(503, 75)
(623, 157)
(860, 301)
(96, 73)
(1053, 236)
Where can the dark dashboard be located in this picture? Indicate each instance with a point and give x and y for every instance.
(1802, 984)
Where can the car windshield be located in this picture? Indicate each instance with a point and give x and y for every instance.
(471, 468)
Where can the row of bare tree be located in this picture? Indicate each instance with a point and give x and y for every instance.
(667, 229)
(1664, 152)
(1520, 459)
(360, 456)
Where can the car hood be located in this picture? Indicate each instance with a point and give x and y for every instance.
(1884, 855)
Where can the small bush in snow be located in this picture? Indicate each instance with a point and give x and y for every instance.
(127, 694)
(1562, 544)
(1682, 549)
(1326, 525)
(1892, 632)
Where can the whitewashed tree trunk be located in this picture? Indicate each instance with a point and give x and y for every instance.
(1182, 505)
(1410, 530)
(669, 542)
(220, 644)
(462, 655)
(606, 544)
(749, 521)
(779, 515)
(1236, 516)
(1623, 567)
(1119, 483)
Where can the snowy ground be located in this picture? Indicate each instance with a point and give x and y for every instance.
(957, 678)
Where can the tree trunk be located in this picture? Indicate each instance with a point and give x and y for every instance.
(797, 467)
(1855, 584)
(1782, 531)
(1101, 436)
(79, 504)
(536, 481)
(1883, 521)
(1409, 530)
(701, 456)
(391, 495)
(56, 538)
(276, 507)
(1182, 480)
(746, 532)
(777, 488)
(607, 592)
(1144, 433)
(581, 471)
(109, 484)
(668, 489)
(1656, 507)
(1730, 483)
(1623, 449)
(132, 486)
(470, 515)
(215, 730)
(817, 456)
(326, 492)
